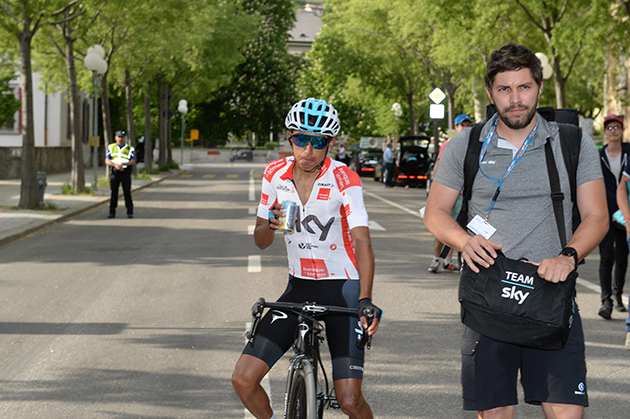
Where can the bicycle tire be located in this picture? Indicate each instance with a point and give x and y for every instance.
(301, 398)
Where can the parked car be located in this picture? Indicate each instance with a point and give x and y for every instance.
(365, 162)
(413, 160)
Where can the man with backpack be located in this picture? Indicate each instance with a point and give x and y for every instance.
(511, 209)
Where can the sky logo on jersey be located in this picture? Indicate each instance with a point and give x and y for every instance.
(306, 224)
(314, 268)
(323, 194)
(346, 178)
(273, 167)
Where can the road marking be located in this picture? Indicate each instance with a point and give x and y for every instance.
(265, 383)
(250, 229)
(393, 204)
(252, 186)
(254, 264)
(253, 211)
(232, 176)
(255, 176)
(374, 226)
(209, 175)
(186, 176)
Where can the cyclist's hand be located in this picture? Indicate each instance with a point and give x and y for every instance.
(369, 315)
(275, 216)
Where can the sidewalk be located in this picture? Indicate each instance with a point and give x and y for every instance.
(15, 224)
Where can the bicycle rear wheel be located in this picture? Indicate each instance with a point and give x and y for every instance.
(301, 398)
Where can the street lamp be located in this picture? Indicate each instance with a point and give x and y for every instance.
(183, 109)
(95, 62)
(546, 67)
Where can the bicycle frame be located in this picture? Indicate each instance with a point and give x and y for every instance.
(303, 398)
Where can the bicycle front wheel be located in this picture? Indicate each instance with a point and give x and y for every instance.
(301, 398)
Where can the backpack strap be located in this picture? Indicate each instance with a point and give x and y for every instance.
(571, 143)
(471, 167)
(557, 197)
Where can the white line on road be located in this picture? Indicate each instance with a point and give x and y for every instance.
(250, 230)
(393, 204)
(254, 264)
(374, 226)
(252, 187)
(253, 210)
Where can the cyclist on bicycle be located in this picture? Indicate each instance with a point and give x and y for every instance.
(330, 258)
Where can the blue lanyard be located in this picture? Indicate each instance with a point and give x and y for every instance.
(515, 160)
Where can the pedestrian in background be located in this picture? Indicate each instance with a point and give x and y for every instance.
(462, 121)
(388, 160)
(120, 157)
(521, 223)
(624, 206)
(613, 250)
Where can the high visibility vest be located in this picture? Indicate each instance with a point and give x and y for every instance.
(120, 155)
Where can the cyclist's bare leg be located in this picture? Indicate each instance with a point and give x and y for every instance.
(350, 398)
(246, 379)
(504, 412)
(563, 411)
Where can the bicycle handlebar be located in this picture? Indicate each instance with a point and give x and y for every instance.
(312, 309)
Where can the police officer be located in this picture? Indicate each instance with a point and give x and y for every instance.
(120, 157)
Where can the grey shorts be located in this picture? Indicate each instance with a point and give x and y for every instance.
(490, 371)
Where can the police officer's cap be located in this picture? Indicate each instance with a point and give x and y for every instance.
(120, 134)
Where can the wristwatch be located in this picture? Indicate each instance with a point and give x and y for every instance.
(571, 252)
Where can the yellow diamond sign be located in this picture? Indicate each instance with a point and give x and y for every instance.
(437, 95)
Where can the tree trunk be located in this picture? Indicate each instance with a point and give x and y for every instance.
(78, 168)
(161, 130)
(131, 132)
(169, 126)
(558, 83)
(148, 144)
(29, 197)
(412, 113)
(107, 116)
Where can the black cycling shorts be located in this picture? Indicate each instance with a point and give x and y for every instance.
(276, 331)
(490, 371)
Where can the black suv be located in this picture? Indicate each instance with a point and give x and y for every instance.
(365, 161)
(413, 160)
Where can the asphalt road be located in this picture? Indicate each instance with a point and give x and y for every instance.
(144, 318)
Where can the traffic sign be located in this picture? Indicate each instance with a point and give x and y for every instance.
(436, 111)
(437, 95)
(194, 134)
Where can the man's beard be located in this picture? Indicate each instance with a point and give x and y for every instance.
(516, 123)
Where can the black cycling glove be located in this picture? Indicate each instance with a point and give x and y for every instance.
(369, 310)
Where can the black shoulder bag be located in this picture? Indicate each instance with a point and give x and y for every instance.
(509, 302)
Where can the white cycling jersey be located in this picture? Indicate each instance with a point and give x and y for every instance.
(321, 245)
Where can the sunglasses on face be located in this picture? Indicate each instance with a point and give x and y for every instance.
(319, 142)
(616, 127)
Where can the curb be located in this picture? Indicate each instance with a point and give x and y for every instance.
(72, 213)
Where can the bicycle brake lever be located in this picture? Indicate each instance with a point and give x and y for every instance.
(365, 341)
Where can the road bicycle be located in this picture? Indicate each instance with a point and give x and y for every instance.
(307, 391)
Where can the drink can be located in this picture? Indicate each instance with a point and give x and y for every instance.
(290, 214)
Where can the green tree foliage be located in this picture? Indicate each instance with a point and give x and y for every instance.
(263, 85)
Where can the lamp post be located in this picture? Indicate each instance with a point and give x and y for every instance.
(95, 62)
(183, 109)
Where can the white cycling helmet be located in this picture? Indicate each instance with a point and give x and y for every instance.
(313, 115)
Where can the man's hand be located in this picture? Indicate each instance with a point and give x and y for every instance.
(275, 216)
(481, 251)
(367, 309)
(556, 269)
